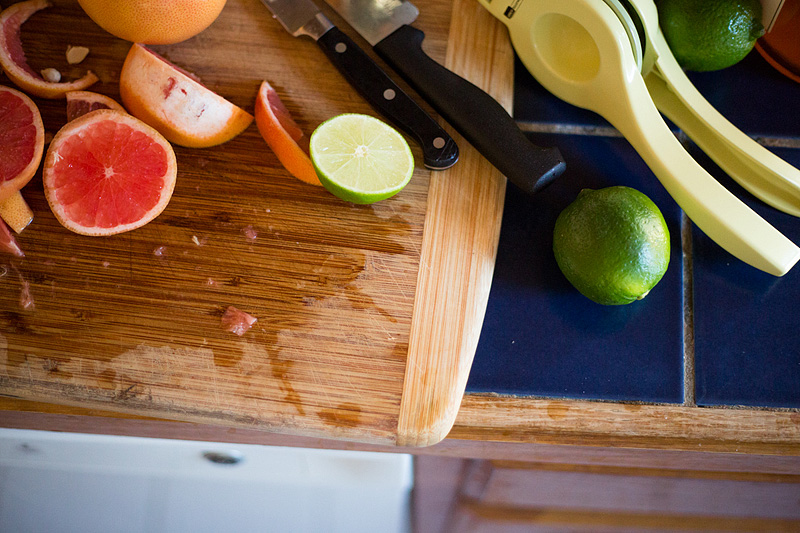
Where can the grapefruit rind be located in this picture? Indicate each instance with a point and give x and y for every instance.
(10, 186)
(153, 22)
(60, 191)
(282, 134)
(181, 109)
(12, 56)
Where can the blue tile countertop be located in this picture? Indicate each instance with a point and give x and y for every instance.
(713, 332)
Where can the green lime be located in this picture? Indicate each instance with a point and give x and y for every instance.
(360, 158)
(612, 244)
(709, 35)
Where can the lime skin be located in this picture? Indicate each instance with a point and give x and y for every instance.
(708, 35)
(612, 244)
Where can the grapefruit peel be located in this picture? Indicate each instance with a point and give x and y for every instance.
(283, 135)
(25, 140)
(170, 100)
(12, 55)
(107, 172)
(161, 22)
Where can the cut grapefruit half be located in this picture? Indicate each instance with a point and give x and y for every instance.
(12, 56)
(81, 102)
(177, 105)
(21, 141)
(283, 135)
(108, 172)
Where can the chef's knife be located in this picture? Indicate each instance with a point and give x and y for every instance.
(302, 17)
(385, 24)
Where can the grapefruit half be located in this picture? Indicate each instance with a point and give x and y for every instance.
(283, 135)
(108, 172)
(21, 141)
(170, 100)
(153, 22)
(81, 102)
(12, 56)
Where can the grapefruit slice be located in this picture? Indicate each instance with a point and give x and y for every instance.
(21, 140)
(12, 56)
(170, 100)
(283, 135)
(108, 172)
(81, 102)
(7, 241)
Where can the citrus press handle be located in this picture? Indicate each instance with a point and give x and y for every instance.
(719, 214)
(755, 168)
(478, 117)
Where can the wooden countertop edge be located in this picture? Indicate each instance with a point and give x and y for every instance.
(486, 426)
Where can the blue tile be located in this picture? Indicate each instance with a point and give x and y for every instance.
(747, 325)
(540, 336)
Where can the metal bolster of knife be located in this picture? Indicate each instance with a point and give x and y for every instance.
(316, 28)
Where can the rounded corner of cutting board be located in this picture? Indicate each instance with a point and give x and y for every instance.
(427, 432)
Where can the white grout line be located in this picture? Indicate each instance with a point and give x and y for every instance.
(689, 397)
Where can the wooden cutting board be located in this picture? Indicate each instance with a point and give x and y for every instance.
(368, 316)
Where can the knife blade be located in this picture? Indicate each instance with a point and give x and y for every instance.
(386, 26)
(303, 18)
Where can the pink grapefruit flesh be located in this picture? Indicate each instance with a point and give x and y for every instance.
(12, 55)
(21, 141)
(108, 172)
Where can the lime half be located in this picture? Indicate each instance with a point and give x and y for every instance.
(360, 159)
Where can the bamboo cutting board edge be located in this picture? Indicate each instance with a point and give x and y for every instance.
(441, 349)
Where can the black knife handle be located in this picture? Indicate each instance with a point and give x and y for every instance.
(472, 112)
(439, 150)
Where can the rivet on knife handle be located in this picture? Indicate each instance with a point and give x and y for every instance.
(439, 150)
(472, 112)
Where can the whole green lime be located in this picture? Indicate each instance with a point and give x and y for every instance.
(707, 35)
(612, 244)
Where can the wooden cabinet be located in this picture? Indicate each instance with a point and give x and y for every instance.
(499, 496)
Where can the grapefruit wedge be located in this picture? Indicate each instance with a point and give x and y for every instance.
(81, 102)
(12, 56)
(177, 105)
(7, 241)
(283, 135)
(108, 172)
(21, 141)
(16, 212)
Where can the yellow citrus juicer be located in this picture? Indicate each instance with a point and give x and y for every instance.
(592, 55)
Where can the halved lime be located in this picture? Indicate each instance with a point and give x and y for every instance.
(360, 159)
